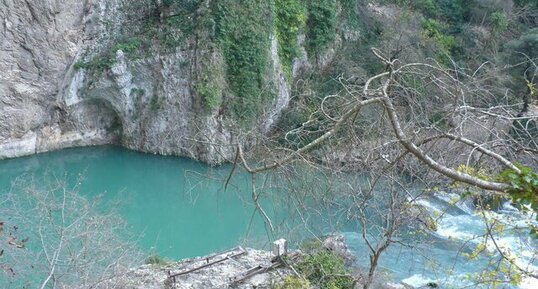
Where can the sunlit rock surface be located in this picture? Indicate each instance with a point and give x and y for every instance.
(214, 276)
(146, 104)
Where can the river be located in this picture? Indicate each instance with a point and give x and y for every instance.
(179, 208)
(175, 206)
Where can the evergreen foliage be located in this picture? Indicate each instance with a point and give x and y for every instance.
(290, 20)
(527, 43)
(128, 46)
(527, 2)
(292, 282)
(523, 189)
(519, 54)
(243, 33)
(209, 88)
(321, 25)
(325, 269)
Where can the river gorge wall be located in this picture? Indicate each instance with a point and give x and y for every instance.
(175, 77)
(67, 80)
(197, 77)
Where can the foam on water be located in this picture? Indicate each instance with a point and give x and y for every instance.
(529, 283)
(418, 280)
(460, 228)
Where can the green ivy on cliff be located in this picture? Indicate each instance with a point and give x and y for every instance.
(351, 15)
(321, 25)
(434, 31)
(290, 20)
(238, 30)
(243, 31)
(209, 85)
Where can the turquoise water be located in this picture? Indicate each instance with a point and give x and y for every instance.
(176, 207)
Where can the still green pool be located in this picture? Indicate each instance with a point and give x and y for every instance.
(175, 207)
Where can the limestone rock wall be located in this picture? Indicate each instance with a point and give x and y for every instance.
(39, 39)
(146, 104)
(39, 42)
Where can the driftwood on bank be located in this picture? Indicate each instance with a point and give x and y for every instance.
(209, 261)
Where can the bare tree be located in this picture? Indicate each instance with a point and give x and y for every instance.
(55, 238)
(423, 120)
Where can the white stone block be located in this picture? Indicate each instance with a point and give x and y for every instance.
(280, 247)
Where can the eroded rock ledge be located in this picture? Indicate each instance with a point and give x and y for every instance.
(219, 275)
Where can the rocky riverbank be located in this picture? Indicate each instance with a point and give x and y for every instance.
(218, 275)
(245, 268)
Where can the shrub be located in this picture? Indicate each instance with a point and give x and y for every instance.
(354, 18)
(427, 7)
(498, 21)
(80, 65)
(293, 282)
(128, 46)
(523, 189)
(137, 92)
(434, 30)
(98, 64)
(325, 269)
(156, 103)
(155, 260)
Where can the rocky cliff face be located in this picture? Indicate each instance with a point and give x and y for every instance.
(191, 77)
(39, 41)
(69, 78)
